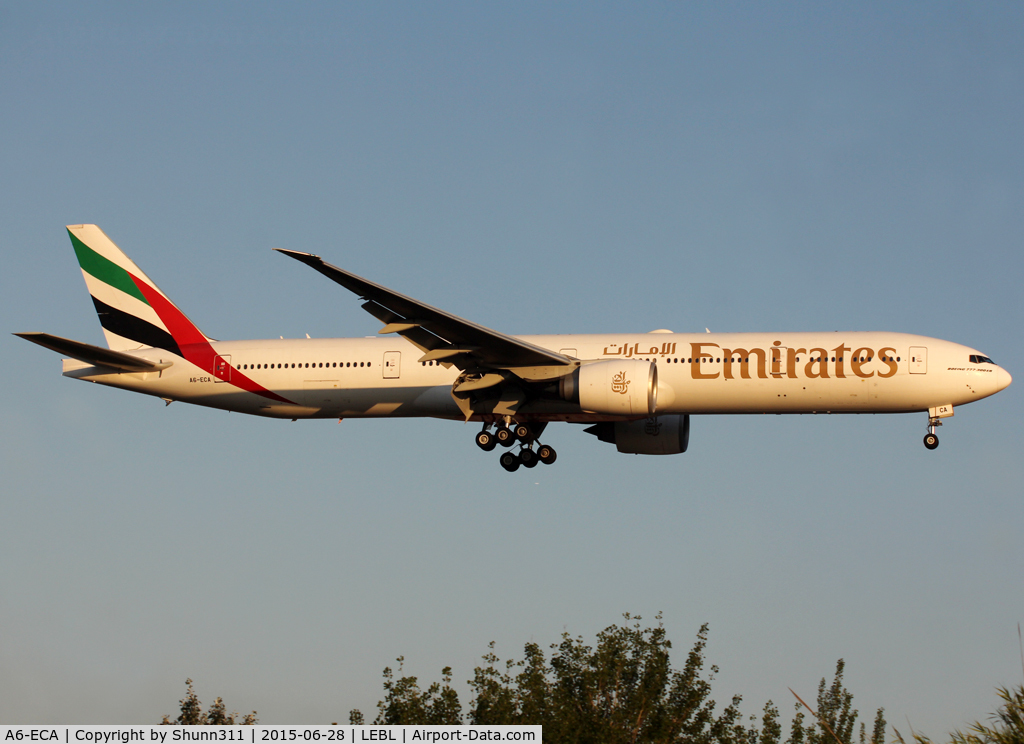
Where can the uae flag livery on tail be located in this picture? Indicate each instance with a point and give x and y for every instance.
(135, 314)
(133, 311)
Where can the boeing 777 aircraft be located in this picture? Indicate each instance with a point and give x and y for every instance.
(636, 391)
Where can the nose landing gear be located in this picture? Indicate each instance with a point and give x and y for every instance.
(931, 439)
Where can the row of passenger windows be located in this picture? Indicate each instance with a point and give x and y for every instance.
(747, 360)
(305, 365)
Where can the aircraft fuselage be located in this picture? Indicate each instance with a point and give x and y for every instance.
(720, 373)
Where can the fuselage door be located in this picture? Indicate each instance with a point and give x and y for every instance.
(568, 352)
(777, 361)
(392, 365)
(918, 360)
(222, 368)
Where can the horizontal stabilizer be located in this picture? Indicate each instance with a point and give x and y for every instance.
(94, 354)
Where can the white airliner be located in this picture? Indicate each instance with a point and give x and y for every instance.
(636, 391)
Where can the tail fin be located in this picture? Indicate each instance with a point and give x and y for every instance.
(133, 311)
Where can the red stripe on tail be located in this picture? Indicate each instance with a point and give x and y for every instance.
(194, 345)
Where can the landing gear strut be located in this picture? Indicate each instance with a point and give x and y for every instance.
(931, 439)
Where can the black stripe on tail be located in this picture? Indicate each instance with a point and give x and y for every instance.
(129, 326)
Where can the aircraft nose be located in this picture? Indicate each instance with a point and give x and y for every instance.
(1003, 380)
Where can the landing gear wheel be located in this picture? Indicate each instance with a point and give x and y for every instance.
(528, 458)
(509, 461)
(931, 441)
(505, 436)
(522, 432)
(546, 454)
(486, 441)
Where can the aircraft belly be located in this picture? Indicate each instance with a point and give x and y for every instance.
(381, 402)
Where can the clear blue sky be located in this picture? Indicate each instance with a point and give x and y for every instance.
(535, 167)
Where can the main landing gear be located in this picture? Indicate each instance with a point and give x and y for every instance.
(526, 436)
(931, 439)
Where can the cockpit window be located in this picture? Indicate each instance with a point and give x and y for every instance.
(979, 359)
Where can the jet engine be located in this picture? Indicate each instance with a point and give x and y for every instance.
(657, 435)
(626, 387)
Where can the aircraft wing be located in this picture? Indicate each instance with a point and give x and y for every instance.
(94, 354)
(442, 336)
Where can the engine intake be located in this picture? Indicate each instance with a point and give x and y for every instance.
(626, 387)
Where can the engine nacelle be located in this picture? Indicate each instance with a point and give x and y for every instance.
(626, 387)
(657, 435)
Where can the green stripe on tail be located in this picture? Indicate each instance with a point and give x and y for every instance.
(104, 269)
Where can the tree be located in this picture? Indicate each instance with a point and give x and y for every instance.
(621, 690)
(835, 720)
(405, 703)
(192, 713)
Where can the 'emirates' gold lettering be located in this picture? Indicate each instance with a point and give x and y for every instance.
(886, 356)
(856, 365)
(819, 357)
(775, 366)
(777, 361)
(698, 351)
(791, 362)
(840, 352)
(744, 362)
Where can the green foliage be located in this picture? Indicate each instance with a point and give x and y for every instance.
(192, 713)
(1007, 723)
(621, 690)
(405, 703)
(835, 720)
